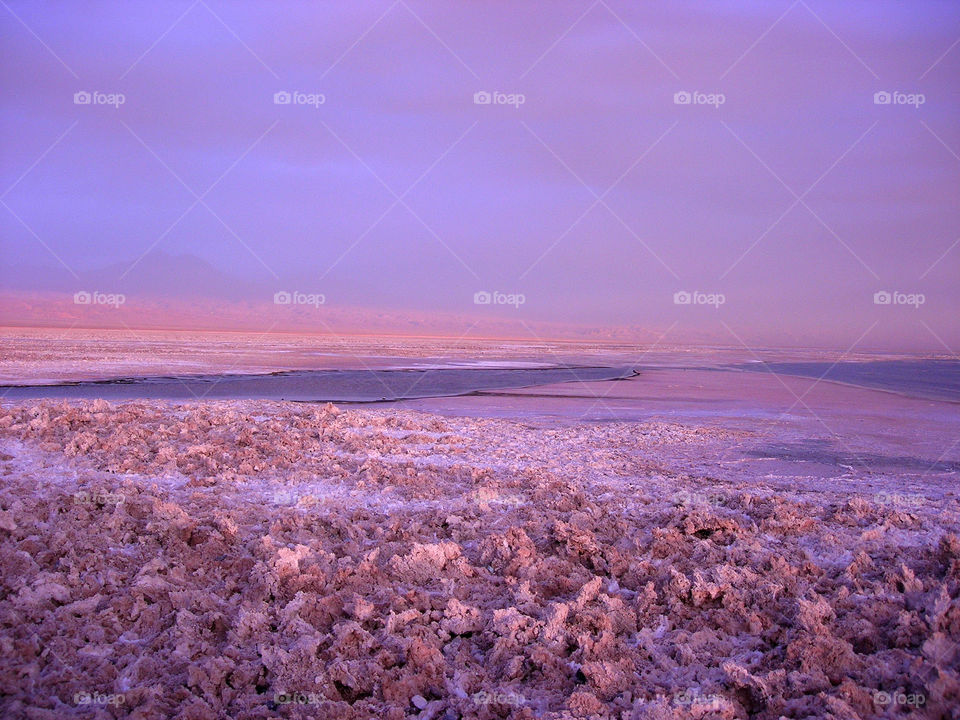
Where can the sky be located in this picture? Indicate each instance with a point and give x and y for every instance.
(745, 173)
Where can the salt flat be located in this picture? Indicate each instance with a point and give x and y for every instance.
(686, 542)
(239, 558)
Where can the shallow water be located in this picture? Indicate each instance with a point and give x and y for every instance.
(929, 379)
(374, 385)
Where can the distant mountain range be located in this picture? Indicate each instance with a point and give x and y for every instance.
(157, 274)
(186, 292)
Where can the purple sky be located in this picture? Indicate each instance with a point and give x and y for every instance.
(692, 197)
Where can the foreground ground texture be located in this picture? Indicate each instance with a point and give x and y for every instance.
(259, 560)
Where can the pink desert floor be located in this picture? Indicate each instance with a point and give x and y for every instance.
(692, 545)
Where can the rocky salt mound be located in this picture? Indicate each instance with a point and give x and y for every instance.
(261, 560)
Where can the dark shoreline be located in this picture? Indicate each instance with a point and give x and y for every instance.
(329, 385)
